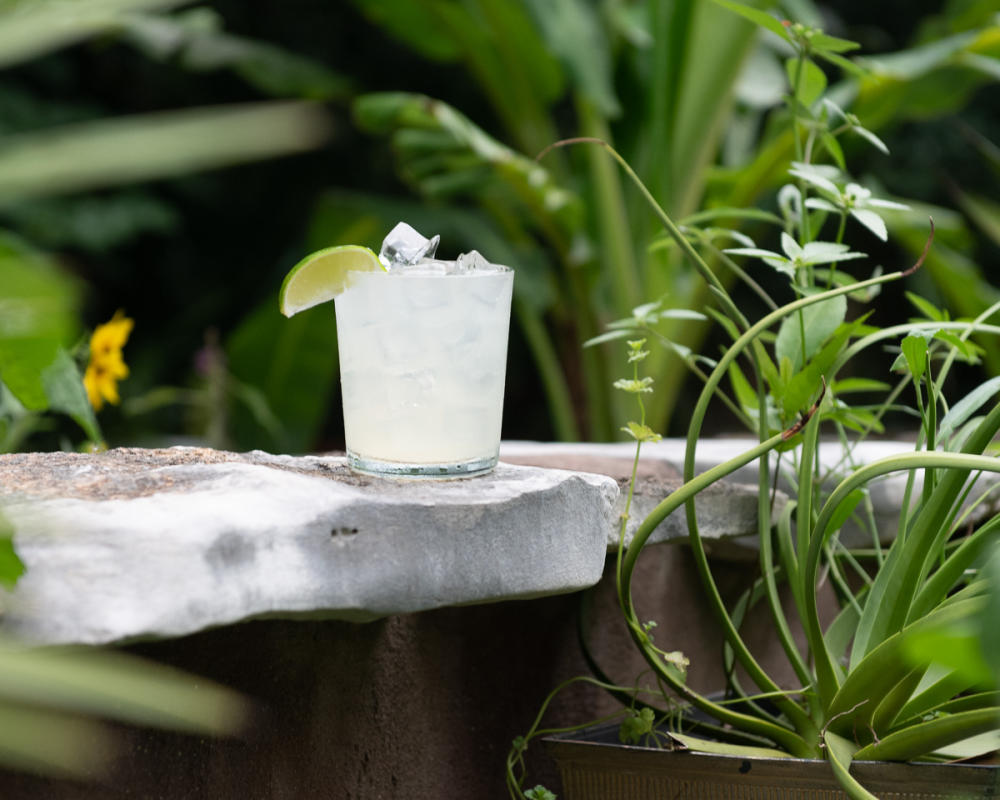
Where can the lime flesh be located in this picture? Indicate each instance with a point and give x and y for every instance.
(322, 275)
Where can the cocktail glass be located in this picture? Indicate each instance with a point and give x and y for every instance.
(423, 350)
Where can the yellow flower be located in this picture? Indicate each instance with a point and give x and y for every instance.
(107, 366)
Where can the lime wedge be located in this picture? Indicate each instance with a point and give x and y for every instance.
(322, 275)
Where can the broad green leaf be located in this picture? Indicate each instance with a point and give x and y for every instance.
(64, 390)
(44, 25)
(82, 156)
(700, 745)
(575, 33)
(924, 738)
(816, 322)
(43, 377)
(915, 349)
(22, 362)
(38, 300)
(812, 82)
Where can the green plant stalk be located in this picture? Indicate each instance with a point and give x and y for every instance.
(698, 416)
(788, 739)
(612, 217)
(557, 393)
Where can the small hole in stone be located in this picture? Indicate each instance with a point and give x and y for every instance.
(335, 532)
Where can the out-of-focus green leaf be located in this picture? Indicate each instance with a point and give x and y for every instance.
(118, 686)
(293, 362)
(11, 566)
(415, 23)
(94, 223)
(65, 393)
(43, 25)
(450, 147)
(575, 33)
(37, 299)
(984, 213)
(195, 40)
(49, 743)
(812, 81)
(74, 158)
(917, 61)
(43, 692)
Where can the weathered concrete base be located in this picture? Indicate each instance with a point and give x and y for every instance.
(415, 707)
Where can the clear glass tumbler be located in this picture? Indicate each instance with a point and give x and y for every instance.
(423, 352)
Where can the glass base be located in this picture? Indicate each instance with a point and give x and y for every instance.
(402, 469)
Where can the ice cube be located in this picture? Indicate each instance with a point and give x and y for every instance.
(405, 246)
(472, 262)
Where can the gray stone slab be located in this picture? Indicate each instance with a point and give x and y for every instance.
(151, 543)
(667, 457)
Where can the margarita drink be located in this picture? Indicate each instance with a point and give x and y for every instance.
(423, 351)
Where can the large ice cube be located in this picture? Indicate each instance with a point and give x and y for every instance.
(405, 246)
(472, 262)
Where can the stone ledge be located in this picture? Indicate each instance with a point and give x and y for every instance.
(138, 543)
(149, 543)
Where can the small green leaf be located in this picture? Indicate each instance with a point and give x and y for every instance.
(758, 17)
(634, 386)
(539, 793)
(641, 433)
(636, 726)
(915, 354)
(928, 309)
(832, 44)
(812, 82)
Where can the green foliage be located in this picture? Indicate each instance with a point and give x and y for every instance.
(900, 674)
(52, 701)
(564, 68)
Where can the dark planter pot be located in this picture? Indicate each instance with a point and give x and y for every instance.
(595, 766)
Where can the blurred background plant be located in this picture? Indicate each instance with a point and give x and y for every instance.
(110, 118)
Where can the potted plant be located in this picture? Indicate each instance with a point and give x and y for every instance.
(897, 676)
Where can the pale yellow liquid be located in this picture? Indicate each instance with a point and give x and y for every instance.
(422, 361)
